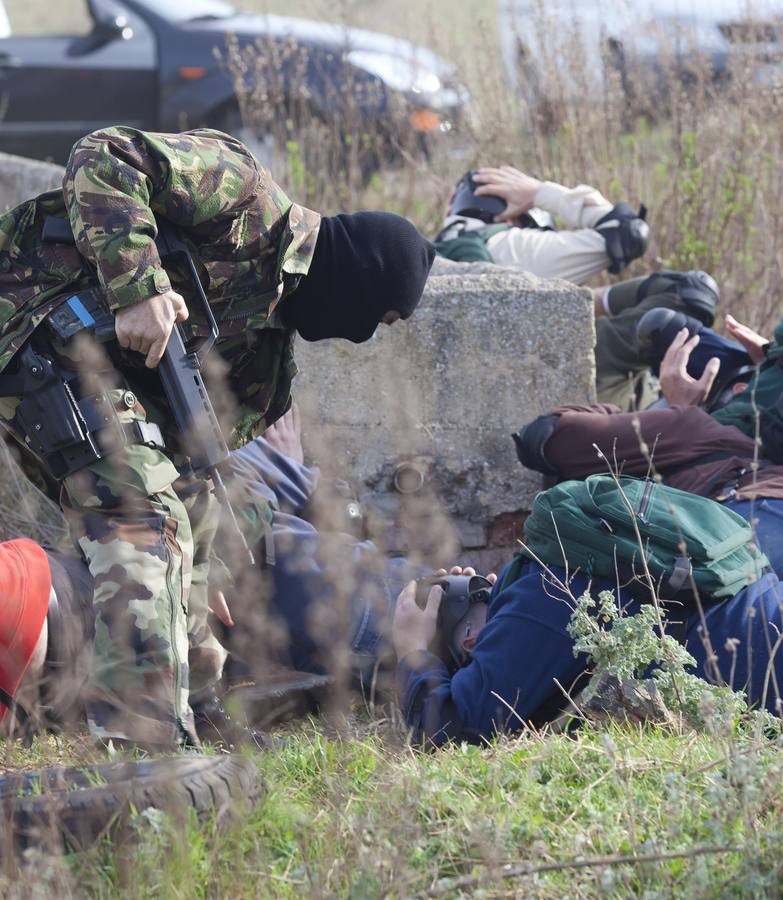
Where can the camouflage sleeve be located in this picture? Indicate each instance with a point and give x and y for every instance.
(117, 179)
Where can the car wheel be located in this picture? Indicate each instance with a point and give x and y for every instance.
(71, 807)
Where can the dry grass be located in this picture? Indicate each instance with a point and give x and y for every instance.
(704, 158)
(707, 162)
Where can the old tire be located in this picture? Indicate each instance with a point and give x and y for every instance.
(71, 807)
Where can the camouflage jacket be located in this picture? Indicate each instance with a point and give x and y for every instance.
(250, 243)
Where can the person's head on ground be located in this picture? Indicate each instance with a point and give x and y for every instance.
(25, 586)
(369, 268)
(422, 623)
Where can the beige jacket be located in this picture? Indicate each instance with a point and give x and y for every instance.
(575, 254)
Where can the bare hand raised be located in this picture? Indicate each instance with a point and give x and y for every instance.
(414, 629)
(680, 388)
(285, 435)
(751, 340)
(146, 326)
(517, 189)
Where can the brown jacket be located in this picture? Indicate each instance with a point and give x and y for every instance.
(681, 441)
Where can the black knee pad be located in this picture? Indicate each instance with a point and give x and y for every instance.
(531, 440)
(626, 233)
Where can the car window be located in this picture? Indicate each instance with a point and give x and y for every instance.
(190, 10)
(58, 17)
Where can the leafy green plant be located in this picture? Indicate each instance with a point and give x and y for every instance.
(632, 647)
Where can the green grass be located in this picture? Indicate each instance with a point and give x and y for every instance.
(362, 816)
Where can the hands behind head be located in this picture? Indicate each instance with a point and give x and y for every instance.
(414, 629)
(680, 388)
(517, 189)
(146, 326)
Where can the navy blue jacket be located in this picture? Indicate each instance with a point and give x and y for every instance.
(523, 662)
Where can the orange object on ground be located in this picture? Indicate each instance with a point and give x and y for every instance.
(25, 585)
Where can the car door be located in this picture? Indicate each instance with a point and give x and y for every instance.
(54, 88)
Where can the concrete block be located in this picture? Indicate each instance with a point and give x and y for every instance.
(21, 179)
(436, 398)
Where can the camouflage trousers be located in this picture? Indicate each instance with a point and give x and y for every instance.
(147, 545)
(147, 550)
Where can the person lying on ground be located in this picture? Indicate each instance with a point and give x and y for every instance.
(328, 595)
(46, 622)
(521, 668)
(518, 651)
(682, 442)
(504, 216)
(271, 269)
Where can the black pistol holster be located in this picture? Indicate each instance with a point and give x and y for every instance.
(61, 425)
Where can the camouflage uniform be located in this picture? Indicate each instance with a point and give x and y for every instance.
(147, 545)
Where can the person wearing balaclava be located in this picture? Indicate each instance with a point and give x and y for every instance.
(368, 268)
(67, 260)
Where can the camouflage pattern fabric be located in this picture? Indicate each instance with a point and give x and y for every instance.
(251, 244)
(136, 537)
(148, 548)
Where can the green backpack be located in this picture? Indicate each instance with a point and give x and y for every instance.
(589, 524)
(470, 246)
(761, 401)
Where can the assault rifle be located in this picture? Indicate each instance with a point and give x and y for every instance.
(180, 375)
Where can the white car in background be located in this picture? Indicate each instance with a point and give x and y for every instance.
(549, 44)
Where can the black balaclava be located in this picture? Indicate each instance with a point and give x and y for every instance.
(365, 264)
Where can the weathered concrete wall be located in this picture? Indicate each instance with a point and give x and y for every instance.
(487, 350)
(21, 179)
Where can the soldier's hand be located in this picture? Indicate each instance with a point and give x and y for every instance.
(517, 189)
(146, 326)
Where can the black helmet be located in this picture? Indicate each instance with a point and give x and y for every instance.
(657, 328)
(466, 203)
(698, 290)
(460, 593)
